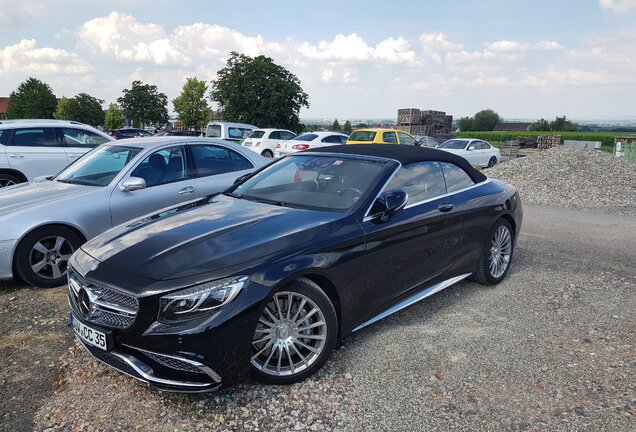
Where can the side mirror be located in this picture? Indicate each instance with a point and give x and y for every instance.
(132, 184)
(471, 147)
(391, 202)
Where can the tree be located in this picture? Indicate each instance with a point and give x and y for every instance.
(144, 104)
(362, 126)
(347, 127)
(258, 91)
(32, 99)
(191, 104)
(335, 126)
(466, 124)
(540, 125)
(484, 120)
(114, 118)
(562, 124)
(65, 109)
(89, 109)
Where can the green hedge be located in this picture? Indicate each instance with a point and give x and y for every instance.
(606, 138)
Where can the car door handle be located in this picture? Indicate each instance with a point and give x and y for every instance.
(445, 207)
(187, 190)
(16, 156)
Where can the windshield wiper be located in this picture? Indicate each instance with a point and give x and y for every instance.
(264, 200)
(233, 195)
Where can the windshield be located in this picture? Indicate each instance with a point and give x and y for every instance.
(362, 136)
(306, 137)
(454, 144)
(313, 182)
(99, 167)
(214, 131)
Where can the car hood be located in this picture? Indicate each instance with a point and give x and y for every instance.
(202, 237)
(34, 194)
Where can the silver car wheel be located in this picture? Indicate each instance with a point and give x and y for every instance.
(49, 257)
(290, 335)
(6, 182)
(500, 252)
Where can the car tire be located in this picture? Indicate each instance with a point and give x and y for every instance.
(267, 154)
(41, 258)
(496, 254)
(8, 180)
(299, 336)
(492, 162)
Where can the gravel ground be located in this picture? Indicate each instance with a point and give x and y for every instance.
(552, 348)
(569, 177)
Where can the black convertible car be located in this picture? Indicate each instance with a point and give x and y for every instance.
(269, 276)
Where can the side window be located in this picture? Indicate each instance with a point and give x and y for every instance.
(234, 133)
(405, 139)
(163, 166)
(343, 139)
(3, 136)
(287, 135)
(36, 137)
(275, 135)
(211, 160)
(239, 162)
(484, 146)
(82, 138)
(456, 178)
(389, 137)
(420, 180)
(334, 139)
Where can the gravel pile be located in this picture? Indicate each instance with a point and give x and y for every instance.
(570, 177)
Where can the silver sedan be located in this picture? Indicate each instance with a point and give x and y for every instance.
(43, 222)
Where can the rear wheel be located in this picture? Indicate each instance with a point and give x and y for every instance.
(496, 254)
(295, 334)
(8, 180)
(41, 258)
(267, 154)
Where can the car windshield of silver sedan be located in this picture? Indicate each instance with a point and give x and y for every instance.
(99, 167)
(454, 144)
(325, 183)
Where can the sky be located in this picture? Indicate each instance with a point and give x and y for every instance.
(355, 59)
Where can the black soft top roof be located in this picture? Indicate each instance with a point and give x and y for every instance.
(404, 154)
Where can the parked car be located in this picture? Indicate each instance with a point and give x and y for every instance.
(475, 151)
(426, 141)
(32, 148)
(263, 141)
(180, 133)
(380, 136)
(311, 140)
(44, 222)
(269, 275)
(130, 133)
(235, 132)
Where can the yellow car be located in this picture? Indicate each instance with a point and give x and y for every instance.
(380, 136)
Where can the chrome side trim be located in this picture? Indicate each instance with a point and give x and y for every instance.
(413, 299)
(447, 194)
(208, 371)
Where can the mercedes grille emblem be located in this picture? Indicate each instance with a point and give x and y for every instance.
(84, 302)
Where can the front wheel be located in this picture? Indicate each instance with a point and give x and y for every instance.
(492, 162)
(8, 180)
(496, 254)
(267, 154)
(295, 334)
(41, 258)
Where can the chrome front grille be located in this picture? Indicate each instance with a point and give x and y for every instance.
(102, 306)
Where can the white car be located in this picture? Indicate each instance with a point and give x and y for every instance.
(34, 148)
(475, 151)
(310, 140)
(263, 141)
(235, 132)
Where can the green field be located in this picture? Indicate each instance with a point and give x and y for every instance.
(606, 138)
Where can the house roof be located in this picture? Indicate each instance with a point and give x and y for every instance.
(512, 126)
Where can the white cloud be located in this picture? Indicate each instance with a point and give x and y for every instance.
(25, 58)
(19, 13)
(617, 5)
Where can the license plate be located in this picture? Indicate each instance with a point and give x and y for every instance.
(247, 144)
(88, 334)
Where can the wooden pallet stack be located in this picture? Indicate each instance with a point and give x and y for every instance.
(548, 141)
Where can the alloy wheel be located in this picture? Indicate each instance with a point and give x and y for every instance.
(290, 335)
(500, 252)
(6, 182)
(49, 256)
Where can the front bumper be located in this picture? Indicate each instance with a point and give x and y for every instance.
(153, 369)
(6, 258)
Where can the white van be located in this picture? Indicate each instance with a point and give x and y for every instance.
(236, 132)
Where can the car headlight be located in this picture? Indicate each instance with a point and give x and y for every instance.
(200, 299)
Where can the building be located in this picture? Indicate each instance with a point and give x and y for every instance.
(512, 127)
(4, 104)
(425, 122)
